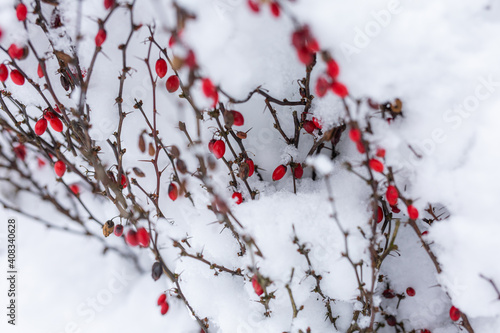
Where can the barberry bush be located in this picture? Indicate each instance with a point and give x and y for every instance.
(267, 167)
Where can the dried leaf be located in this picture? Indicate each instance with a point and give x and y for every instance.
(138, 172)
(329, 134)
(244, 171)
(156, 271)
(151, 149)
(142, 143)
(397, 106)
(177, 63)
(241, 135)
(175, 151)
(108, 228)
(212, 163)
(65, 82)
(181, 166)
(182, 187)
(228, 119)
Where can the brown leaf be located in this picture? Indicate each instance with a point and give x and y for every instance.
(244, 171)
(156, 271)
(108, 228)
(181, 166)
(175, 151)
(212, 163)
(138, 172)
(241, 135)
(151, 149)
(228, 119)
(142, 143)
(397, 106)
(177, 63)
(63, 57)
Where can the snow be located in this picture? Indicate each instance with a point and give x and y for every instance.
(439, 58)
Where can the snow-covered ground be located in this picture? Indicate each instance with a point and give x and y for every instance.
(440, 58)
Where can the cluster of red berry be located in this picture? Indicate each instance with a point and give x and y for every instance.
(134, 238)
(162, 302)
(173, 82)
(273, 6)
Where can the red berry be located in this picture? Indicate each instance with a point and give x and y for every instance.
(279, 172)
(162, 299)
(210, 91)
(305, 56)
(454, 313)
(60, 168)
(313, 45)
(211, 145)
(317, 123)
(161, 67)
(299, 38)
(238, 118)
(41, 163)
(118, 230)
(355, 134)
(425, 233)
(20, 151)
(360, 147)
(391, 321)
(190, 60)
(17, 77)
(425, 331)
(172, 191)
(21, 12)
(412, 212)
(40, 126)
(275, 9)
(219, 148)
(256, 286)
(322, 86)
(75, 189)
(251, 167)
(164, 308)
(123, 181)
(172, 40)
(131, 238)
(100, 38)
(309, 126)
(376, 165)
(109, 3)
(172, 83)
(380, 152)
(4, 73)
(339, 89)
(56, 124)
(56, 108)
(392, 195)
(410, 291)
(208, 87)
(254, 6)
(380, 214)
(15, 52)
(395, 209)
(332, 68)
(143, 237)
(39, 71)
(298, 171)
(388, 293)
(238, 197)
(49, 115)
